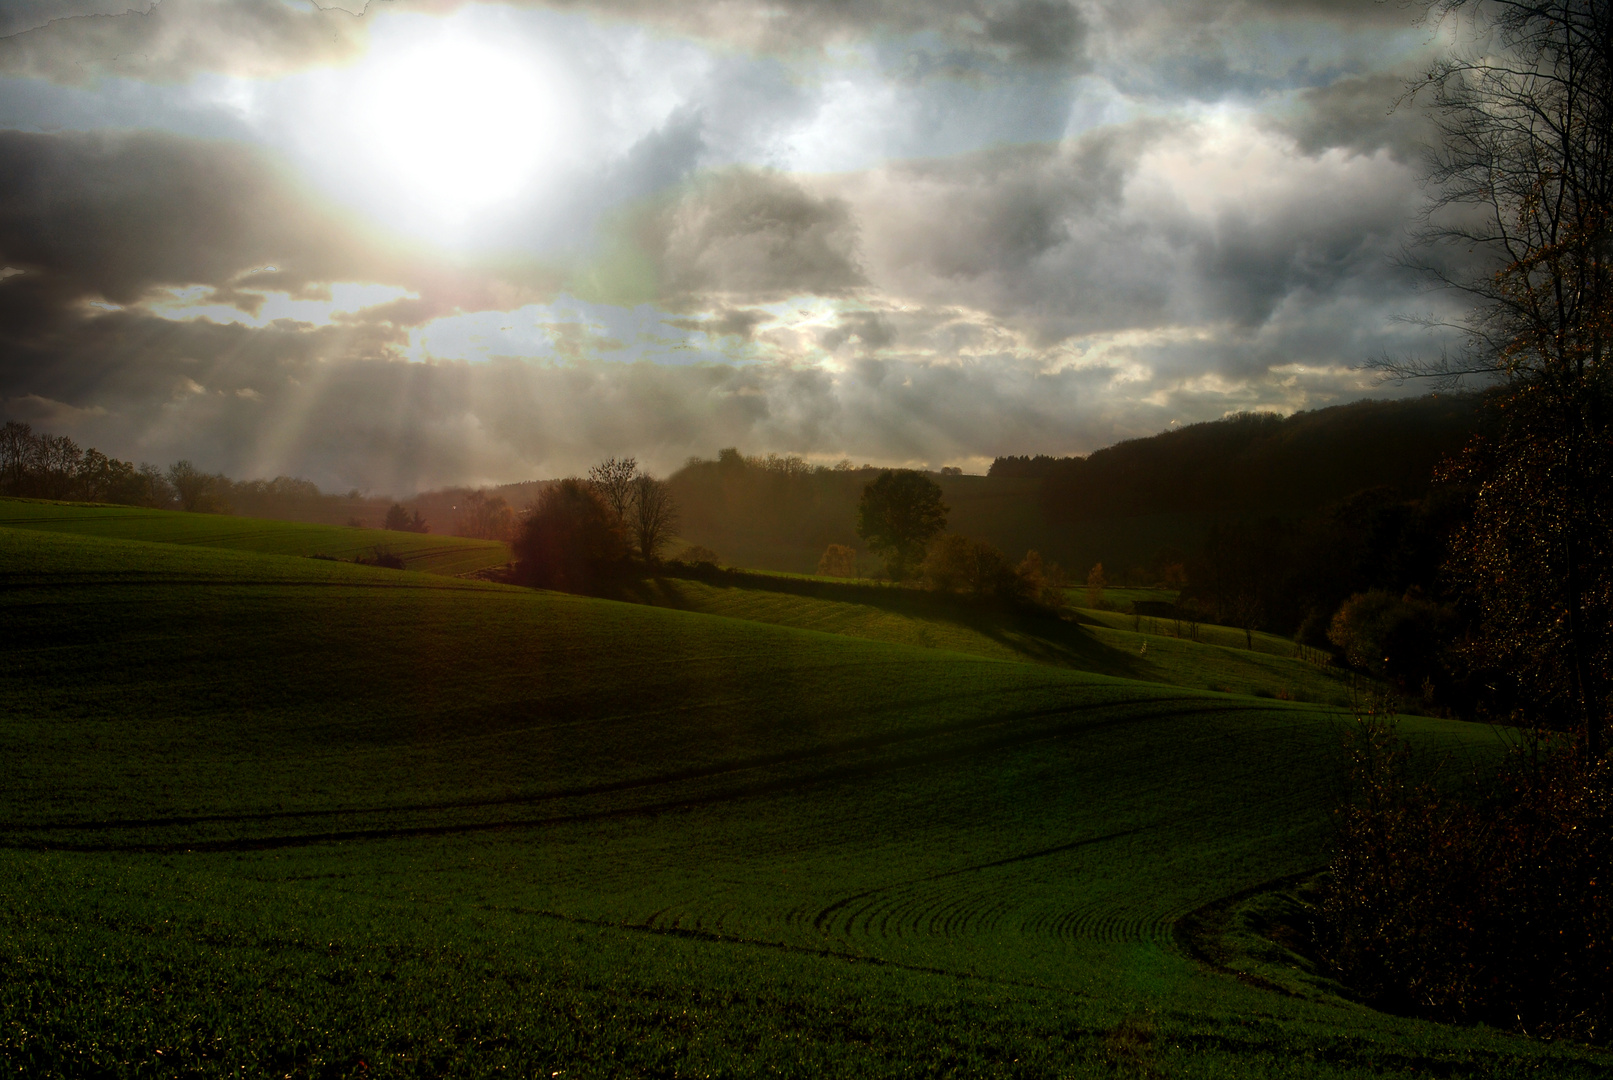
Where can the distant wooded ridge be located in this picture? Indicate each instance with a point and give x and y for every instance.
(1256, 462)
(1135, 504)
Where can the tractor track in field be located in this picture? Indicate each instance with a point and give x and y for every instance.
(777, 946)
(831, 774)
(846, 912)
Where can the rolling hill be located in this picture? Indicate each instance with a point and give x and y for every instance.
(1130, 506)
(272, 814)
(432, 554)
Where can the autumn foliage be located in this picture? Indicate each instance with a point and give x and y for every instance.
(1490, 903)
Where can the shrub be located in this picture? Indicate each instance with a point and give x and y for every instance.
(381, 557)
(838, 561)
(1042, 579)
(949, 565)
(698, 555)
(572, 541)
(958, 564)
(1494, 907)
(1394, 638)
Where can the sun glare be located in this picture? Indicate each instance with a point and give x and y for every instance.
(457, 125)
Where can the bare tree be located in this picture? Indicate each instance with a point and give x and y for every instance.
(652, 515)
(17, 449)
(486, 517)
(613, 480)
(198, 491)
(1523, 181)
(154, 488)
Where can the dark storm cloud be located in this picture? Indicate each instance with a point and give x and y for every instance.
(1249, 261)
(113, 216)
(1032, 234)
(1073, 239)
(1362, 114)
(746, 233)
(1210, 50)
(76, 41)
(1038, 31)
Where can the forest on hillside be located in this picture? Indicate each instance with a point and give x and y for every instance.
(1257, 462)
(1136, 507)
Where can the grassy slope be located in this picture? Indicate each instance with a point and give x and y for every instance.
(1100, 641)
(432, 554)
(291, 816)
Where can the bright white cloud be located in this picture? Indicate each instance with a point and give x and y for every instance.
(920, 236)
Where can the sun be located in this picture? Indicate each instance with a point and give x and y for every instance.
(456, 125)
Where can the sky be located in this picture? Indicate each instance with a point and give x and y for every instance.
(404, 244)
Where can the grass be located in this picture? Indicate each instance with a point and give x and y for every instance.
(1101, 642)
(425, 552)
(274, 815)
(1120, 597)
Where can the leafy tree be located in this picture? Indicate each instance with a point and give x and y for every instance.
(901, 512)
(958, 564)
(1043, 579)
(1524, 183)
(950, 563)
(1392, 637)
(398, 519)
(572, 541)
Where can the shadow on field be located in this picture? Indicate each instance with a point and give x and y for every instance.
(673, 791)
(1035, 633)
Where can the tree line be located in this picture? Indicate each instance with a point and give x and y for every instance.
(44, 466)
(1256, 462)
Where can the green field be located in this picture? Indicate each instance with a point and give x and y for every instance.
(432, 554)
(267, 815)
(1101, 642)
